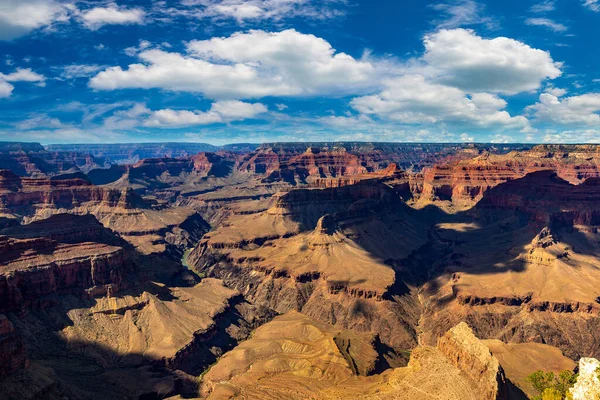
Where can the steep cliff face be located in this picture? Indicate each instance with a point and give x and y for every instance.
(462, 179)
(372, 157)
(31, 159)
(66, 228)
(13, 356)
(475, 360)
(548, 198)
(316, 163)
(24, 195)
(304, 163)
(33, 269)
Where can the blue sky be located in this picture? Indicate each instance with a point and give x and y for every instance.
(222, 71)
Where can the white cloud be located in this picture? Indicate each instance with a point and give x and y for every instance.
(281, 107)
(79, 71)
(360, 121)
(457, 13)
(558, 92)
(547, 23)
(460, 58)
(135, 50)
(220, 112)
(22, 75)
(413, 100)
(593, 5)
(500, 138)
(246, 65)
(38, 122)
(5, 89)
(573, 136)
(97, 17)
(275, 10)
(582, 110)
(544, 6)
(19, 17)
(466, 138)
(19, 75)
(124, 119)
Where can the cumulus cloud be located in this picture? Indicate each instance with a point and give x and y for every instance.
(22, 75)
(413, 100)
(547, 23)
(246, 65)
(558, 92)
(97, 17)
(19, 17)
(462, 59)
(457, 81)
(220, 112)
(5, 89)
(573, 136)
(19, 75)
(582, 110)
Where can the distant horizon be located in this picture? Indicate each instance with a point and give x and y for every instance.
(292, 142)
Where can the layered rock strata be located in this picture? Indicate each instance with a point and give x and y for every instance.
(33, 269)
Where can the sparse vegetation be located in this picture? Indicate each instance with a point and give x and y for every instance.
(552, 387)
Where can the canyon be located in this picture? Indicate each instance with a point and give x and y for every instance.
(296, 270)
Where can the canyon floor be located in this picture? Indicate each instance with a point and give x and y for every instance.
(296, 271)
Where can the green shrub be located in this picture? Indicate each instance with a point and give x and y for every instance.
(552, 387)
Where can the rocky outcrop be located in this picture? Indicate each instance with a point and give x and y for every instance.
(13, 356)
(549, 199)
(121, 210)
(31, 159)
(32, 269)
(462, 179)
(317, 163)
(475, 360)
(587, 386)
(25, 195)
(365, 197)
(296, 357)
(66, 228)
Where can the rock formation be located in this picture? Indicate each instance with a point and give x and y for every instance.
(13, 356)
(463, 178)
(31, 159)
(345, 242)
(33, 269)
(588, 381)
(294, 357)
(473, 358)
(291, 258)
(150, 229)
